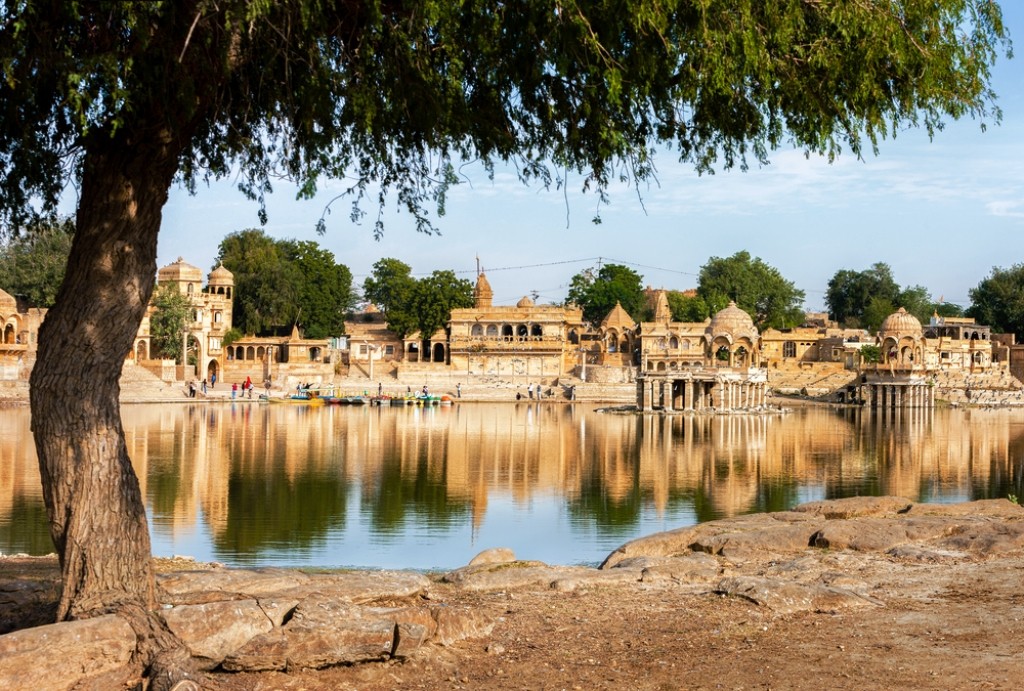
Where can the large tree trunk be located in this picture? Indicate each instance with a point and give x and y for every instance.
(97, 517)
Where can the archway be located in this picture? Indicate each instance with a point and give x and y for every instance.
(438, 355)
(141, 351)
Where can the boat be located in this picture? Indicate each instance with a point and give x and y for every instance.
(305, 397)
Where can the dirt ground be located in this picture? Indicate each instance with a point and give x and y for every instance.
(948, 626)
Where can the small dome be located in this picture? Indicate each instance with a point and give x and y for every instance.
(525, 302)
(8, 305)
(901, 323)
(180, 271)
(221, 276)
(732, 321)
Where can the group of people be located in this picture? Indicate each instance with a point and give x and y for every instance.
(246, 388)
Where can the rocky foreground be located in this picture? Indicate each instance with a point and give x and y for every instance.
(854, 593)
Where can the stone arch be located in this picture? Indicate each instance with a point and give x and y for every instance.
(10, 335)
(673, 343)
(476, 331)
(250, 353)
(212, 371)
(522, 332)
(492, 331)
(141, 351)
(438, 354)
(190, 289)
(536, 331)
(315, 353)
(506, 332)
(260, 353)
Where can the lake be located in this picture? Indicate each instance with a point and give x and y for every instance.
(248, 484)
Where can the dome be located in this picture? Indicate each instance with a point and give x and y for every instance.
(732, 321)
(8, 305)
(901, 323)
(180, 271)
(525, 302)
(221, 276)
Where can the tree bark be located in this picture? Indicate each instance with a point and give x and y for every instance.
(92, 495)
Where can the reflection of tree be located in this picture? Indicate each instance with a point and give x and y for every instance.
(268, 509)
(420, 493)
(28, 531)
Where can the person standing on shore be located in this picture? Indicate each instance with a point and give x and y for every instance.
(458, 390)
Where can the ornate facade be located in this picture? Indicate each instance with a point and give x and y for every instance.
(19, 337)
(211, 316)
(527, 340)
(714, 364)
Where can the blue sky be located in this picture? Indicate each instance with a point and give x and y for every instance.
(941, 213)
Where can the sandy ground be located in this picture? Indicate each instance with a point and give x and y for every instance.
(936, 626)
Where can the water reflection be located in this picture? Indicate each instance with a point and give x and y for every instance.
(424, 488)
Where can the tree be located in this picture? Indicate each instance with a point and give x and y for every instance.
(324, 291)
(597, 295)
(433, 298)
(32, 264)
(124, 98)
(280, 283)
(390, 287)
(266, 283)
(849, 292)
(998, 301)
(687, 308)
(755, 287)
(168, 325)
(865, 298)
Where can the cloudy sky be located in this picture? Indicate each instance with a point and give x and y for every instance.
(941, 213)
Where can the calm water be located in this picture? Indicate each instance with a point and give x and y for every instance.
(412, 488)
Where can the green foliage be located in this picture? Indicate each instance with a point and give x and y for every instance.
(169, 322)
(399, 93)
(390, 287)
(597, 294)
(686, 308)
(849, 293)
(410, 305)
(230, 336)
(757, 288)
(434, 298)
(863, 299)
(871, 353)
(324, 291)
(279, 283)
(998, 301)
(32, 264)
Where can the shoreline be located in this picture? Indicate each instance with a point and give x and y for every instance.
(855, 593)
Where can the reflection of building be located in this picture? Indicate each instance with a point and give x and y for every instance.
(526, 340)
(684, 368)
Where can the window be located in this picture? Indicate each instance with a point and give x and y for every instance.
(789, 349)
(389, 350)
